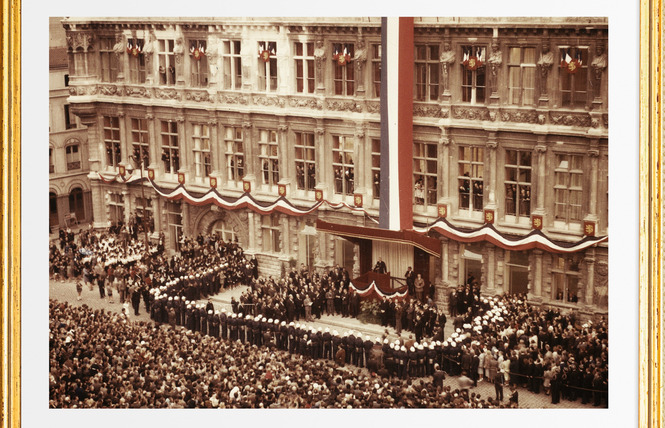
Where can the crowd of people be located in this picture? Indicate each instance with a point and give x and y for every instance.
(100, 359)
(502, 340)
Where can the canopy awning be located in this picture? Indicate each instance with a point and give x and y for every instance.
(430, 245)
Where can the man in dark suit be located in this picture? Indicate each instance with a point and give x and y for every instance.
(380, 267)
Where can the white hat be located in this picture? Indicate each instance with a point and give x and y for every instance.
(210, 311)
(412, 349)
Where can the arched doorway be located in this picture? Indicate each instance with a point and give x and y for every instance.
(76, 205)
(53, 210)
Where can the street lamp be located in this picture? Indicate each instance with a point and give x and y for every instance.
(144, 214)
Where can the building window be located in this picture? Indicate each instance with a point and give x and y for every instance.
(522, 76)
(518, 183)
(235, 155)
(136, 61)
(271, 232)
(268, 66)
(517, 263)
(73, 156)
(224, 232)
(66, 80)
(108, 59)
(268, 156)
(76, 206)
(70, 120)
(170, 149)
(376, 167)
(473, 81)
(376, 70)
(427, 72)
(79, 65)
(112, 140)
(304, 57)
(166, 59)
(198, 63)
(471, 178)
(565, 278)
(343, 72)
(568, 187)
(201, 149)
(116, 208)
(232, 64)
(425, 161)
(343, 164)
(51, 161)
(143, 209)
(305, 154)
(140, 142)
(174, 221)
(573, 85)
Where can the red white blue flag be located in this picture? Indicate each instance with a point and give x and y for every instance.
(396, 185)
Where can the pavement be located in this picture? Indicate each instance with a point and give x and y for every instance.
(66, 291)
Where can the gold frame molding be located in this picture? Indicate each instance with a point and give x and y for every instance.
(10, 217)
(651, 407)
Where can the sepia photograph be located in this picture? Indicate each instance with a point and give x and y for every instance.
(329, 212)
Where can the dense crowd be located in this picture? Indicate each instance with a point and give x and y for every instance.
(502, 340)
(100, 359)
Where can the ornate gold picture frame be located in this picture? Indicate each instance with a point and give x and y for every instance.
(651, 407)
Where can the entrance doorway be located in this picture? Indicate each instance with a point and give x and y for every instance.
(518, 268)
(473, 263)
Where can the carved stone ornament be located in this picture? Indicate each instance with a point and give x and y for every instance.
(178, 50)
(427, 111)
(137, 92)
(344, 106)
(198, 96)
(606, 119)
(80, 40)
(233, 99)
(470, 113)
(109, 90)
(519, 116)
(168, 94)
(570, 119)
(269, 101)
(373, 107)
(306, 103)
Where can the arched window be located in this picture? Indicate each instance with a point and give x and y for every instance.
(73, 156)
(224, 231)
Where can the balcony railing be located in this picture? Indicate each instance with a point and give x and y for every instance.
(73, 165)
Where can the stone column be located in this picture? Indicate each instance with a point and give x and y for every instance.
(359, 172)
(248, 138)
(590, 260)
(252, 231)
(286, 166)
(182, 146)
(154, 143)
(491, 172)
(495, 61)
(544, 64)
(98, 204)
(538, 275)
(319, 59)
(444, 185)
(125, 139)
(447, 60)
(444, 262)
(490, 271)
(359, 59)
(127, 205)
(541, 172)
(186, 229)
(214, 149)
(321, 159)
(593, 180)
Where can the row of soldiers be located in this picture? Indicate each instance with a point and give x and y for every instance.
(398, 358)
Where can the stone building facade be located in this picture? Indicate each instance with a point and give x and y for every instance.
(69, 187)
(510, 120)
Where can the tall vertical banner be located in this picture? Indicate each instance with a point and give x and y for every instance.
(396, 201)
